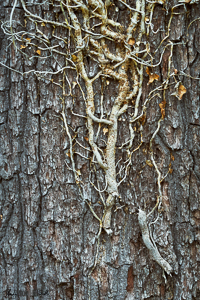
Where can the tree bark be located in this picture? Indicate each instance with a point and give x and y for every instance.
(48, 234)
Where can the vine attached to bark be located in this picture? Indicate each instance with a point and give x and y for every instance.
(72, 37)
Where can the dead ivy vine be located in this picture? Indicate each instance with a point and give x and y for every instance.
(89, 30)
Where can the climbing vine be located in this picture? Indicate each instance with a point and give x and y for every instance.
(69, 36)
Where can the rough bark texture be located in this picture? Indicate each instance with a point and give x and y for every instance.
(48, 234)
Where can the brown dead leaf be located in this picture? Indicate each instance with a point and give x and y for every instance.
(148, 71)
(38, 52)
(170, 168)
(142, 119)
(86, 138)
(181, 91)
(43, 24)
(149, 163)
(28, 39)
(22, 47)
(74, 58)
(152, 76)
(162, 108)
(105, 130)
(131, 42)
(172, 157)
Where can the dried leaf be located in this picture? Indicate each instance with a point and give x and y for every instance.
(131, 42)
(142, 119)
(170, 168)
(38, 52)
(152, 76)
(105, 130)
(28, 39)
(22, 47)
(162, 108)
(181, 91)
(172, 157)
(43, 24)
(86, 138)
(148, 71)
(74, 58)
(149, 163)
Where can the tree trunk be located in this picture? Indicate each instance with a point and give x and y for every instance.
(60, 237)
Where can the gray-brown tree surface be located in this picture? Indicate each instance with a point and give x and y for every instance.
(100, 149)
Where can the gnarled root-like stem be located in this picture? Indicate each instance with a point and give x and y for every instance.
(107, 220)
(108, 211)
(142, 218)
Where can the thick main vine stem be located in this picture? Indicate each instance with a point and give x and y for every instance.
(111, 143)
